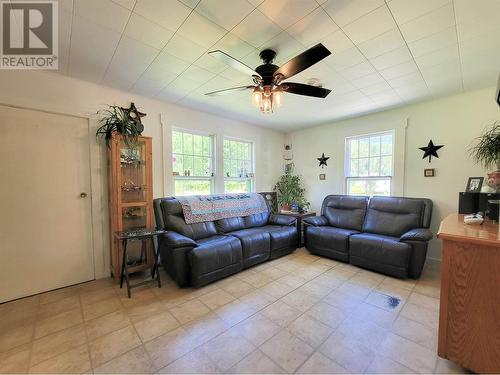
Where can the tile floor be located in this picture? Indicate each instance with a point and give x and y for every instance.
(297, 314)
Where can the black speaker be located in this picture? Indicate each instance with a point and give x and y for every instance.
(468, 203)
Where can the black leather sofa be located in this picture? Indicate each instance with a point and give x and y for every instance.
(384, 234)
(197, 254)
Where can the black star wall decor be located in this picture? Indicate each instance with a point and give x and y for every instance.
(430, 150)
(134, 115)
(322, 160)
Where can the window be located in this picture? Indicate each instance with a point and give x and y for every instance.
(369, 164)
(238, 166)
(193, 163)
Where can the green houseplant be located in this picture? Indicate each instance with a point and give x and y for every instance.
(289, 190)
(116, 119)
(487, 153)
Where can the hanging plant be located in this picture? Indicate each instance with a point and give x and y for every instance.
(487, 150)
(115, 119)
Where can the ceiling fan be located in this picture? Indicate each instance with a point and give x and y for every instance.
(269, 78)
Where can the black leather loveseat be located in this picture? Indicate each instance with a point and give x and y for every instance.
(385, 234)
(197, 254)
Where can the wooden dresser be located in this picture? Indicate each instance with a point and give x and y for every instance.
(469, 315)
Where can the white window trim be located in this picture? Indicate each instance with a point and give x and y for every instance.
(347, 159)
(252, 162)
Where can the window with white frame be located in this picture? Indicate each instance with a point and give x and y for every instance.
(238, 166)
(369, 164)
(193, 162)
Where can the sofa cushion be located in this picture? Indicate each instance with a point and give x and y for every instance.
(393, 216)
(379, 249)
(329, 241)
(344, 211)
(282, 237)
(256, 220)
(215, 253)
(255, 244)
(230, 224)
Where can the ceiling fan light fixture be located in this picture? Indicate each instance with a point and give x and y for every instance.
(267, 99)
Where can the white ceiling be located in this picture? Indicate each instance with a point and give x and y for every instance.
(384, 53)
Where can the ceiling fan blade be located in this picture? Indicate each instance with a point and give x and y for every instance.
(229, 91)
(303, 61)
(233, 63)
(307, 90)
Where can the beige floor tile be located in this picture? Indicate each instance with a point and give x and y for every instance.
(112, 345)
(50, 309)
(99, 284)
(257, 299)
(277, 289)
(256, 363)
(100, 308)
(257, 329)
(274, 272)
(376, 315)
(321, 364)
(58, 322)
(327, 314)
(362, 330)
(198, 292)
(9, 339)
(189, 311)
(170, 346)
(300, 300)
(257, 280)
(408, 353)
(444, 366)
(281, 313)
(287, 350)
(287, 266)
(141, 295)
(234, 312)
(106, 324)
(416, 332)
(342, 301)
(384, 365)
(430, 288)
(391, 284)
(328, 280)
(238, 288)
(12, 319)
(356, 290)
(155, 326)
(310, 330)
(30, 304)
(292, 280)
(143, 311)
(59, 294)
(15, 361)
(206, 328)
(195, 362)
(174, 297)
(384, 301)
(217, 349)
(74, 361)
(420, 314)
(135, 361)
(57, 343)
(424, 301)
(315, 288)
(216, 299)
(329, 262)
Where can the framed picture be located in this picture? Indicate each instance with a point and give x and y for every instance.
(429, 172)
(474, 184)
(322, 176)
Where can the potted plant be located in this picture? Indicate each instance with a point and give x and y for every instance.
(116, 119)
(290, 191)
(487, 153)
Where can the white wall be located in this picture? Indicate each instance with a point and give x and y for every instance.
(60, 94)
(452, 121)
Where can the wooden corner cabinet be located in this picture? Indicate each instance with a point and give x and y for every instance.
(130, 199)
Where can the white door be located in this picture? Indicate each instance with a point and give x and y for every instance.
(45, 225)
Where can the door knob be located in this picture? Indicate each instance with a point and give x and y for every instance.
(83, 195)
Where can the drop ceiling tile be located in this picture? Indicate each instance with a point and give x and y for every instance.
(197, 74)
(399, 70)
(337, 42)
(438, 57)
(285, 46)
(217, 83)
(434, 42)
(147, 32)
(386, 42)
(183, 85)
(368, 80)
(168, 63)
(133, 56)
(428, 24)
(148, 87)
(169, 14)
(235, 76)
(256, 29)
(256, 3)
(357, 71)
(184, 49)
(313, 28)
(286, 12)
(483, 74)
(441, 71)
(342, 88)
(376, 88)
(415, 92)
(66, 5)
(385, 97)
(344, 12)
(210, 63)
(470, 10)
(395, 57)
(190, 3)
(170, 95)
(225, 16)
(98, 12)
(345, 59)
(201, 30)
(120, 79)
(129, 4)
(406, 10)
(159, 74)
(485, 27)
(64, 25)
(407, 80)
(91, 51)
(252, 59)
(234, 46)
(370, 25)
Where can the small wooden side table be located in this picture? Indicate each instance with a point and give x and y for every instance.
(300, 228)
(136, 235)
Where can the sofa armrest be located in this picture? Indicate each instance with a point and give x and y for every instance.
(282, 220)
(175, 240)
(316, 221)
(418, 234)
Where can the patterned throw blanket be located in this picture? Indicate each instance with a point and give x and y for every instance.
(200, 208)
